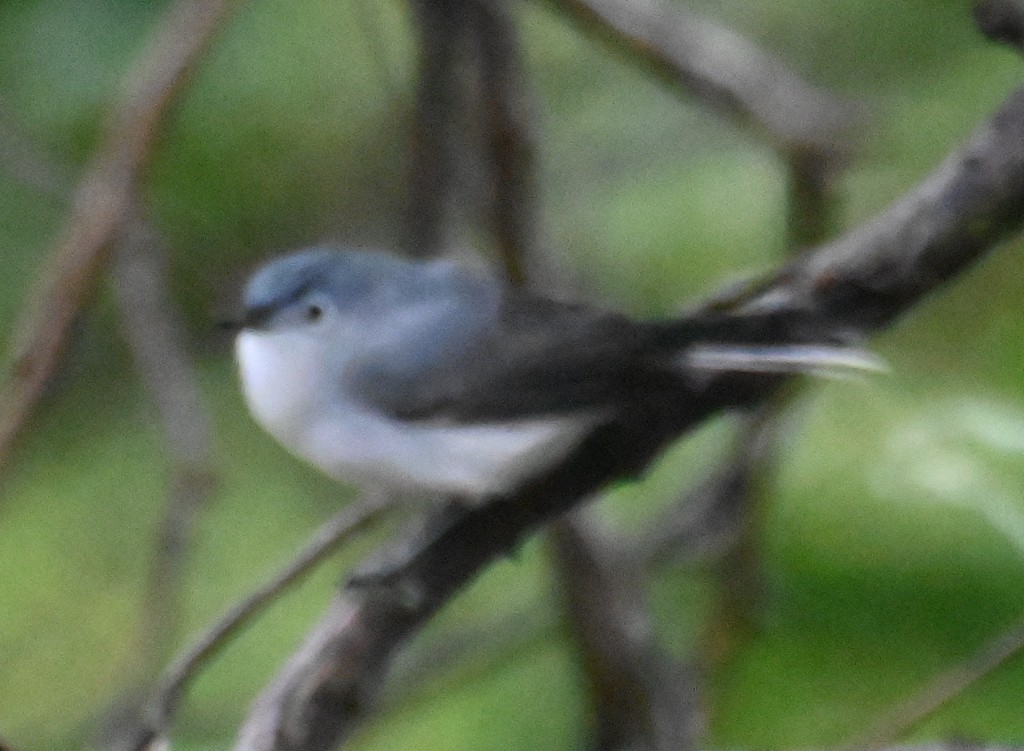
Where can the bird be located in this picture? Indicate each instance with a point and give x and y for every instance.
(437, 376)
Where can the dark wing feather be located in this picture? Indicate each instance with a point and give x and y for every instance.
(537, 358)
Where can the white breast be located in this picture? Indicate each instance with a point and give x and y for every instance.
(282, 380)
(292, 396)
(470, 460)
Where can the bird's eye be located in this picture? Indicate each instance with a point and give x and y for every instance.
(314, 313)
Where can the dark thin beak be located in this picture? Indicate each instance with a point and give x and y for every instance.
(250, 319)
(230, 325)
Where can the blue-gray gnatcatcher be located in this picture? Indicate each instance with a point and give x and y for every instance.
(432, 376)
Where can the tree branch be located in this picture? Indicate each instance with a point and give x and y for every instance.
(812, 208)
(102, 201)
(1001, 21)
(23, 160)
(942, 689)
(155, 334)
(513, 204)
(863, 280)
(642, 698)
(956, 215)
(149, 730)
(723, 71)
(438, 153)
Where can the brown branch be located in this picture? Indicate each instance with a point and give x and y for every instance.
(102, 201)
(864, 280)
(942, 689)
(437, 148)
(641, 697)
(150, 728)
(508, 124)
(708, 518)
(492, 642)
(951, 220)
(720, 517)
(722, 70)
(155, 334)
(26, 162)
(1001, 21)
(812, 200)
(323, 690)
(812, 208)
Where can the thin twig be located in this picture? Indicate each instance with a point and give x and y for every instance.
(160, 709)
(948, 222)
(641, 697)
(1001, 21)
(941, 690)
(23, 159)
(155, 334)
(813, 202)
(722, 70)
(437, 143)
(707, 519)
(102, 201)
(812, 208)
(513, 204)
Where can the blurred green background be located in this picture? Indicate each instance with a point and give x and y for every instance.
(895, 541)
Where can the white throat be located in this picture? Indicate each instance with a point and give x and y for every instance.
(282, 380)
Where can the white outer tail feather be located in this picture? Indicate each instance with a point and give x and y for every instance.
(812, 359)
